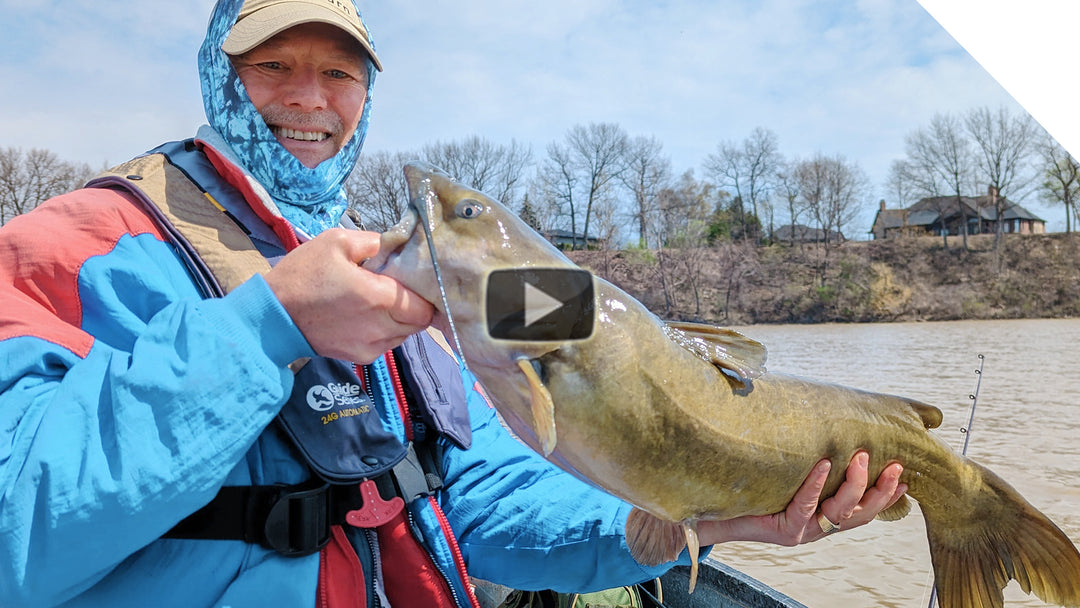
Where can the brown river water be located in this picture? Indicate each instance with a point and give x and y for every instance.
(1026, 428)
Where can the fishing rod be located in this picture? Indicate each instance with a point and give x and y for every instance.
(966, 432)
(974, 401)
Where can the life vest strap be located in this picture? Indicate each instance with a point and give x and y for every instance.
(296, 520)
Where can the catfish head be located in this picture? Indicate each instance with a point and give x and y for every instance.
(471, 235)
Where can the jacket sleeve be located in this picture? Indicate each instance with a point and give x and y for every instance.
(526, 524)
(125, 398)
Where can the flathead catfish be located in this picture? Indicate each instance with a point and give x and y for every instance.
(683, 421)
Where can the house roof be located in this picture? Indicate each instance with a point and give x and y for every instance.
(930, 210)
(804, 233)
(923, 217)
(566, 234)
(890, 218)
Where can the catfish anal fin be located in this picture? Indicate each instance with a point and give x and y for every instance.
(898, 510)
(543, 408)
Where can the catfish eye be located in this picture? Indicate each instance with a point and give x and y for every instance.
(468, 209)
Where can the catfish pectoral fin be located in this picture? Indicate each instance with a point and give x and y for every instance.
(1006, 538)
(543, 408)
(654, 541)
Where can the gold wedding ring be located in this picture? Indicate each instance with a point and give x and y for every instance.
(827, 526)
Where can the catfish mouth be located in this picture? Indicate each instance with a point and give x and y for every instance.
(393, 241)
(404, 256)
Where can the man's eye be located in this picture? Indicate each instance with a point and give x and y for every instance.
(337, 74)
(270, 65)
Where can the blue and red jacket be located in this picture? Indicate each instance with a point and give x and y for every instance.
(128, 399)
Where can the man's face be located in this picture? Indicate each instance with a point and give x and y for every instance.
(309, 83)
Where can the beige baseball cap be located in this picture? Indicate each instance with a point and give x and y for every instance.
(259, 20)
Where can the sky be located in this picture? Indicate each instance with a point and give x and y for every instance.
(99, 81)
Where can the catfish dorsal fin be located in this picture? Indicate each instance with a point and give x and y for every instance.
(731, 352)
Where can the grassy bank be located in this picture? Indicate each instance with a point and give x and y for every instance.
(899, 280)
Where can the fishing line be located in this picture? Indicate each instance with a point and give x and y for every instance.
(966, 431)
(421, 211)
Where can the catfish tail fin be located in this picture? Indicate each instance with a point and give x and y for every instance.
(1004, 538)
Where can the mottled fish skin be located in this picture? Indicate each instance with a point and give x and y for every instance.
(684, 422)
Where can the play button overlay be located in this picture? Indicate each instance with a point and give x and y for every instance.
(540, 304)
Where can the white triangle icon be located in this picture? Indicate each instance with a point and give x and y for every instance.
(538, 304)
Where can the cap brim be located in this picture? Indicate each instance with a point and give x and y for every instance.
(265, 23)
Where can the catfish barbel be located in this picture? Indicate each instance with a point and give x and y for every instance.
(683, 421)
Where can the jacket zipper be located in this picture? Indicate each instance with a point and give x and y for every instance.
(323, 601)
(413, 528)
(376, 567)
(459, 560)
(399, 394)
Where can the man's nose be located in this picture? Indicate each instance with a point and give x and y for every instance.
(304, 91)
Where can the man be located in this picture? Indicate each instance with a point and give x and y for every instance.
(160, 446)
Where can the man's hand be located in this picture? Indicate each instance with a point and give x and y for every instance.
(345, 311)
(853, 505)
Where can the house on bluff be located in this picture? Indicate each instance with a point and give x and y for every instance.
(798, 233)
(566, 240)
(937, 214)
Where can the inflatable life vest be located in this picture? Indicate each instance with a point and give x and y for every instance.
(364, 474)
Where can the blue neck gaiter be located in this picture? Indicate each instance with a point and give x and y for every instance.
(311, 199)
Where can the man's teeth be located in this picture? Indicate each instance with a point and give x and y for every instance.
(301, 135)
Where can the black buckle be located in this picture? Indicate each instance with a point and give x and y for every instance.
(298, 523)
(416, 478)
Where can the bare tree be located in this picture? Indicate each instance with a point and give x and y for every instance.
(831, 188)
(28, 179)
(598, 151)
(608, 225)
(377, 189)
(647, 172)
(582, 172)
(495, 170)
(681, 223)
(559, 181)
(941, 163)
(902, 183)
(788, 190)
(735, 262)
(1061, 178)
(1003, 143)
(747, 169)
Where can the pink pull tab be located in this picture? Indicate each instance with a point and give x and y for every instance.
(375, 511)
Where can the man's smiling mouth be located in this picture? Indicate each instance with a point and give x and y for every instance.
(288, 133)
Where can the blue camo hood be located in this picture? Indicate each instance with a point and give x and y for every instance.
(311, 199)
